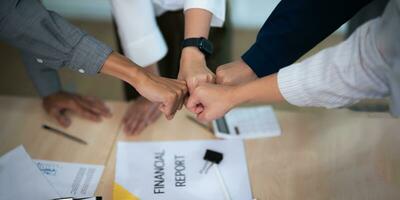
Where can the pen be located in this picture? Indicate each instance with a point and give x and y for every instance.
(198, 123)
(71, 137)
(237, 130)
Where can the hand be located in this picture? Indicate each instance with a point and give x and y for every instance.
(139, 115)
(170, 94)
(194, 69)
(215, 101)
(89, 108)
(235, 73)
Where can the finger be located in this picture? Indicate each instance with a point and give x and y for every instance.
(131, 122)
(211, 78)
(192, 102)
(153, 117)
(182, 99)
(82, 112)
(129, 113)
(192, 84)
(153, 110)
(60, 117)
(139, 123)
(202, 117)
(130, 126)
(94, 105)
(105, 110)
(165, 109)
(199, 108)
(219, 79)
(140, 127)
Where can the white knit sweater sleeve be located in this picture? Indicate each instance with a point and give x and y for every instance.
(361, 67)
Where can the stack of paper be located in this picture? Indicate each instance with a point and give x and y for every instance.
(23, 178)
(171, 170)
(71, 179)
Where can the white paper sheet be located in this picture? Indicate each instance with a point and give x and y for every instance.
(21, 179)
(71, 179)
(171, 170)
(248, 123)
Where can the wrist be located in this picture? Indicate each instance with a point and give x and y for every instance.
(240, 95)
(137, 76)
(122, 68)
(191, 54)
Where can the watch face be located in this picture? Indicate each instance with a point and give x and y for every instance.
(206, 46)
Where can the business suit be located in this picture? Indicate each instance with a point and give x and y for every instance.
(293, 28)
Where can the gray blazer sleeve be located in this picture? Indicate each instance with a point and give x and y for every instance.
(50, 39)
(45, 79)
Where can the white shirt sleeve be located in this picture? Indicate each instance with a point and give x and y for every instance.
(216, 7)
(365, 66)
(140, 36)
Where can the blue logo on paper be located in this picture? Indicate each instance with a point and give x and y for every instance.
(47, 169)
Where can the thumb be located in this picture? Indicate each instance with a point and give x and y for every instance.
(166, 108)
(192, 84)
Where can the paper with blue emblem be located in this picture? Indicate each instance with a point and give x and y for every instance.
(21, 179)
(71, 179)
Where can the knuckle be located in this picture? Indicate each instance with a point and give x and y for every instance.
(172, 96)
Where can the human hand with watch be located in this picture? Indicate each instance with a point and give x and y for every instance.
(195, 47)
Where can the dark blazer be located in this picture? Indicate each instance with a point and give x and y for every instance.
(293, 28)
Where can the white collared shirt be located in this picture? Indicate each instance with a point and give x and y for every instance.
(365, 66)
(140, 36)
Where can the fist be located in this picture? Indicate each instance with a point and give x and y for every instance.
(214, 101)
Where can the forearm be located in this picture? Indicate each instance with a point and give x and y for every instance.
(193, 66)
(55, 43)
(122, 68)
(197, 23)
(341, 75)
(263, 90)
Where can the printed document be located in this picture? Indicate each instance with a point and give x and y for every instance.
(71, 179)
(171, 171)
(21, 179)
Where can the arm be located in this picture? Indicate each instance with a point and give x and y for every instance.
(55, 43)
(51, 40)
(193, 66)
(292, 29)
(55, 101)
(278, 44)
(364, 66)
(199, 16)
(45, 79)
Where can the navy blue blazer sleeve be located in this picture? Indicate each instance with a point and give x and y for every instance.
(293, 28)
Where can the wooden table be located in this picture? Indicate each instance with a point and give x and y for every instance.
(322, 154)
(21, 122)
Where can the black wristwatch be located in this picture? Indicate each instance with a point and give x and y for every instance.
(204, 45)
